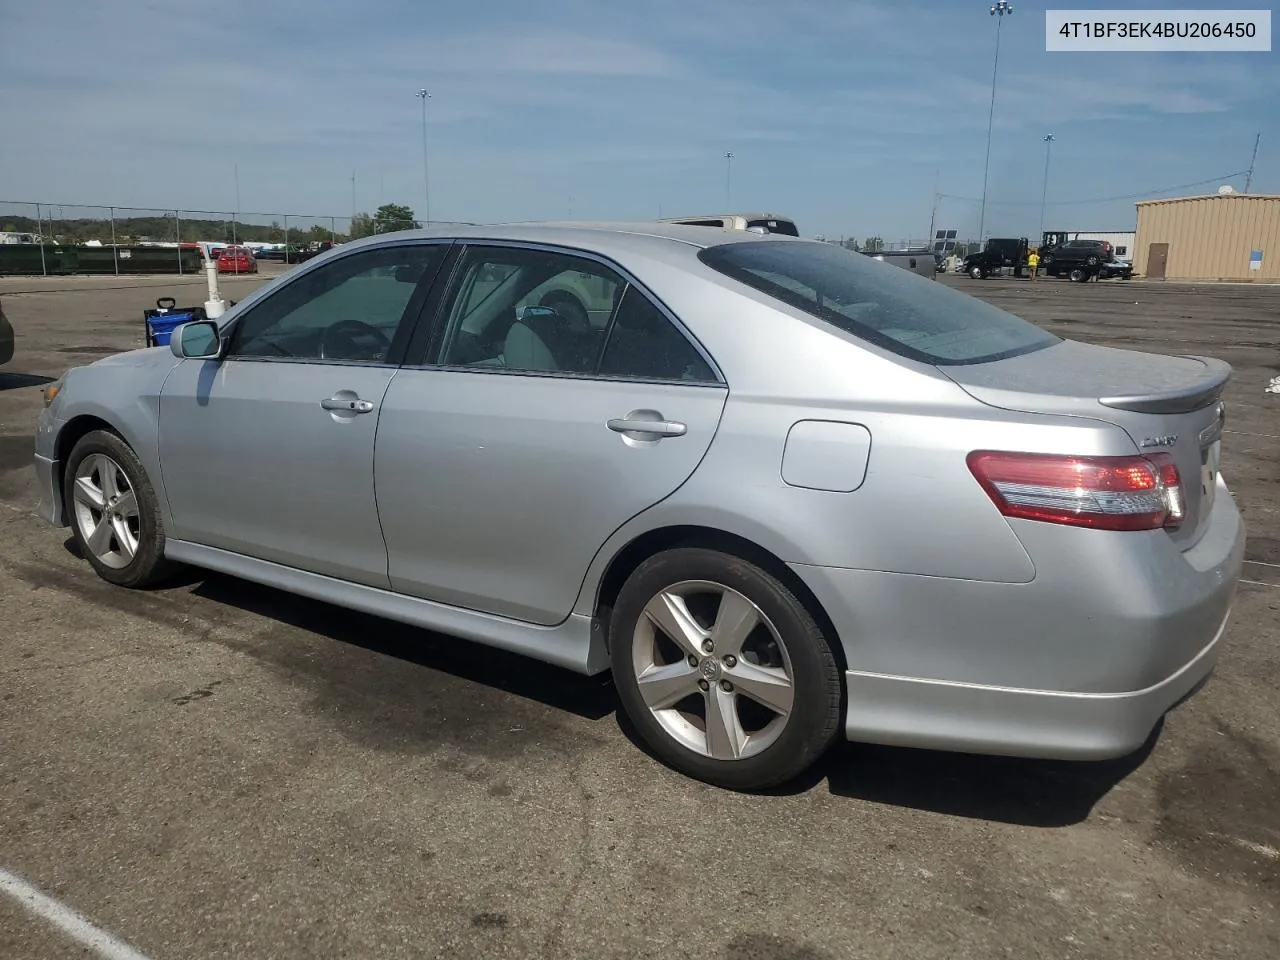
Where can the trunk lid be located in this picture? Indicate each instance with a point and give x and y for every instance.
(1164, 403)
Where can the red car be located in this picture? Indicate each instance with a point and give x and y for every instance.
(237, 260)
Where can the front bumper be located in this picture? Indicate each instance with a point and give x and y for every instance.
(50, 505)
(1080, 663)
(48, 468)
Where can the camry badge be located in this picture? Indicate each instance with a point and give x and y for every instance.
(1166, 441)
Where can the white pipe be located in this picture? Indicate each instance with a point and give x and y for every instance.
(215, 306)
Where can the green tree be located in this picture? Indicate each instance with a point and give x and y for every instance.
(361, 226)
(873, 245)
(393, 216)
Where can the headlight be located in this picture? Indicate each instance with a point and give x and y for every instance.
(51, 391)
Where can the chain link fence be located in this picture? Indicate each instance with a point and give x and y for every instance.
(75, 238)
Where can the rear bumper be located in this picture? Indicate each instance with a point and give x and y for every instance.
(1079, 663)
(971, 718)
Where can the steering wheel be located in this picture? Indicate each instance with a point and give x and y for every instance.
(346, 334)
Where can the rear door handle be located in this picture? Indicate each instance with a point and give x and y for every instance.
(346, 405)
(653, 428)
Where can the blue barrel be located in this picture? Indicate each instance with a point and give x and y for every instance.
(161, 321)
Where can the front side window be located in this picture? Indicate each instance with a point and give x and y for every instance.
(347, 310)
(892, 308)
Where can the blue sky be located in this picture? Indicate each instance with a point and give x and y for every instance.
(839, 113)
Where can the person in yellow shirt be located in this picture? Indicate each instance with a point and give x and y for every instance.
(1033, 261)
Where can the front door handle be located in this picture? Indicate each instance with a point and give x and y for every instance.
(346, 404)
(652, 428)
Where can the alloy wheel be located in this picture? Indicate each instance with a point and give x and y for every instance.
(106, 510)
(713, 670)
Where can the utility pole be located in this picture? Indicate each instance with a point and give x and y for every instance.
(933, 214)
(353, 195)
(728, 181)
(1048, 145)
(424, 95)
(998, 10)
(1252, 160)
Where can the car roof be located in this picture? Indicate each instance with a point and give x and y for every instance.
(641, 236)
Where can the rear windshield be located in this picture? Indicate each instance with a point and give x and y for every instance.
(914, 317)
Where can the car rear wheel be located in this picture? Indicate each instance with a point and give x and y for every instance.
(1078, 275)
(724, 673)
(115, 519)
(977, 273)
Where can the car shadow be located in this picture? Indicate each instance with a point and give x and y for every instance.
(1031, 793)
(591, 698)
(1036, 793)
(16, 381)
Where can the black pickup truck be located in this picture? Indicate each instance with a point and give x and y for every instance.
(1000, 254)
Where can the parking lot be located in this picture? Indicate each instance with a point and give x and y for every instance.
(217, 769)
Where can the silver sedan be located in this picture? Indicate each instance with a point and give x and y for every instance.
(782, 491)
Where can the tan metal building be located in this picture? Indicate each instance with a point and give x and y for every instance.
(1231, 236)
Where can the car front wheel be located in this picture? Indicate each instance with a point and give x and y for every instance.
(977, 273)
(115, 519)
(724, 673)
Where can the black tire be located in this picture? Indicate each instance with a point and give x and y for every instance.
(148, 565)
(1078, 275)
(1091, 261)
(977, 273)
(814, 719)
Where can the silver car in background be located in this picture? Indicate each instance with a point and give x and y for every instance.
(783, 491)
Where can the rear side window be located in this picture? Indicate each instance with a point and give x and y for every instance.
(643, 343)
(909, 315)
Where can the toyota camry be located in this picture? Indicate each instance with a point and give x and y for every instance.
(783, 492)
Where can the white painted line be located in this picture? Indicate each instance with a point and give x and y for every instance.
(1259, 583)
(1263, 563)
(67, 920)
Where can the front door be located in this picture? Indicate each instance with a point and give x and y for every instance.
(268, 452)
(1157, 260)
(561, 403)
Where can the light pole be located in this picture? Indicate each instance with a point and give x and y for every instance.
(424, 96)
(998, 10)
(1048, 145)
(728, 180)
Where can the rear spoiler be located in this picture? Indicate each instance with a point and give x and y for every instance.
(1202, 392)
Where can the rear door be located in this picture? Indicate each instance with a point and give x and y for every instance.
(531, 430)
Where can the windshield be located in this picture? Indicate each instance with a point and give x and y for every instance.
(914, 317)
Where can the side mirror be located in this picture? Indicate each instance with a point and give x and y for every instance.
(198, 339)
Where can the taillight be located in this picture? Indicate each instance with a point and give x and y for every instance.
(1105, 493)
